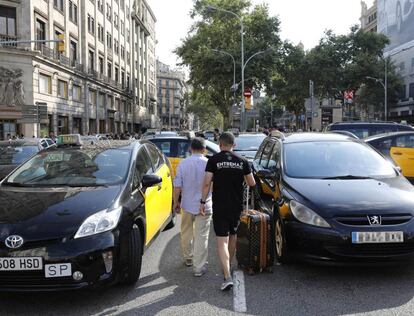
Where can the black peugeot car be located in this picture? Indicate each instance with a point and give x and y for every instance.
(80, 215)
(334, 199)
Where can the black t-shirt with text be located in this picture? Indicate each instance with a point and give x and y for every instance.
(228, 171)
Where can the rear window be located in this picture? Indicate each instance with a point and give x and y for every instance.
(15, 155)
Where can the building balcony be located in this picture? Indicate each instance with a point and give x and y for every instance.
(7, 38)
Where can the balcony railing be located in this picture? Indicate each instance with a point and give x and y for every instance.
(7, 38)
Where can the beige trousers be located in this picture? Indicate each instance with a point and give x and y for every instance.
(195, 231)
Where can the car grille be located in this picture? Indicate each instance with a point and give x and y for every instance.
(362, 220)
(371, 250)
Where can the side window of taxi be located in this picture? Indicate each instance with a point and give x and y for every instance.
(183, 149)
(264, 160)
(142, 167)
(274, 158)
(405, 141)
(384, 146)
(259, 153)
(155, 157)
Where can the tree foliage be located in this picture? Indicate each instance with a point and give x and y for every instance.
(212, 73)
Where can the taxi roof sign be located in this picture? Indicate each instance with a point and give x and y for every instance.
(69, 140)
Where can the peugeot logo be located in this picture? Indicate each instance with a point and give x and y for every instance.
(374, 220)
(14, 241)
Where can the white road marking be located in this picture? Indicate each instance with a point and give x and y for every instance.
(239, 292)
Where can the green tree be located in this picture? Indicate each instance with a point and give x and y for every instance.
(289, 82)
(205, 111)
(212, 73)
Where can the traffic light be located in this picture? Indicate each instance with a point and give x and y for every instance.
(248, 103)
(61, 43)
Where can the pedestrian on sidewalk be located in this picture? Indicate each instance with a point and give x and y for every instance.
(195, 226)
(227, 171)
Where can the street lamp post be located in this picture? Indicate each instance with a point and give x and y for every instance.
(384, 85)
(210, 7)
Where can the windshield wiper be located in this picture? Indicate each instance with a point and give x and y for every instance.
(347, 177)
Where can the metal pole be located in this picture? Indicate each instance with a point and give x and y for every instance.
(242, 117)
(386, 89)
(38, 120)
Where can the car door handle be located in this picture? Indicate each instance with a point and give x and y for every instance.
(397, 154)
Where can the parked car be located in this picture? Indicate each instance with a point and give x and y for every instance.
(247, 144)
(81, 215)
(397, 146)
(15, 152)
(365, 129)
(150, 135)
(178, 148)
(209, 135)
(334, 199)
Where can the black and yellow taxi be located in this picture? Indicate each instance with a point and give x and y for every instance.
(334, 200)
(399, 147)
(177, 148)
(80, 215)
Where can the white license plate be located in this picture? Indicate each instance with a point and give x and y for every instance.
(58, 270)
(377, 237)
(21, 264)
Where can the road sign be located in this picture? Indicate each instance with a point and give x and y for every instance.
(247, 93)
(248, 103)
(349, 95)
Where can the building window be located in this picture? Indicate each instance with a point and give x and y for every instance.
(116, 20)
(411, 90)
(109, 40)
(101, 64)
(101, 100)
(77, 125)
(92, 97)
(58, 4)
(123, 78)
(128, 82)
(116, 74)
(91, 60)
(62, 89)
(110, 70)
(116, 46)
(108, 12)
(76, 93)
(40, 32)
(122, 28)
(73, 52)
(122, 52)
(73, 12)
(110, 102)
(100, 32)
(7, 21)
(57, 34)
(127, 35)
(128, 57)
(100, 5)
(45, 84)
(91, 24)
(63, 125)
(403, 92)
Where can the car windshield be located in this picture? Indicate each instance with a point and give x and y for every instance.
(249, 143)
(73, 167)
(15, 155)
(334, 159)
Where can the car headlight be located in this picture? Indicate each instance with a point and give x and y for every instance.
(306, 215)
(99, 222)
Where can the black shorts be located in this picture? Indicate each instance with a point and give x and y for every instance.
(226, 224)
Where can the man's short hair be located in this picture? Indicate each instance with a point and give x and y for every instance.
(198, 143)
(227, 139)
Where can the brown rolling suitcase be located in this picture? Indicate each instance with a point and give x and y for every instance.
(254, 242)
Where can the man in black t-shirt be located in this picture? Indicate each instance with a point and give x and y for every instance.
(227, 171)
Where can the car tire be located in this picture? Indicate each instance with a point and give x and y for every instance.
(280, 245)
(134, 257)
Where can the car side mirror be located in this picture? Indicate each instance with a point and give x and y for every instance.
(265, 174)
(149, 180)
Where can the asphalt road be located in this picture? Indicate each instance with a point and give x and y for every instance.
(167, 287)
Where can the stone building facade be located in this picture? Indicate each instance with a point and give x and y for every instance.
(103, 82)
(172, 101)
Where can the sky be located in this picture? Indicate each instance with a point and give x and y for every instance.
(301, 21)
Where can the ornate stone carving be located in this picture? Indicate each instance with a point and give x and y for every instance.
(11, 87)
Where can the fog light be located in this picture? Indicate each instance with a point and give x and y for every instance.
(108, 260)
(77, 275)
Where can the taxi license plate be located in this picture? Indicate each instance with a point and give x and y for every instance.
(377, 237)
(21, 264)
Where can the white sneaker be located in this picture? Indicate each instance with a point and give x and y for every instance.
(201, 272)
(227, 284)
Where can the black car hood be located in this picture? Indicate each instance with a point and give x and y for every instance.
(5, 170)
(45, 213)
(331, 198)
